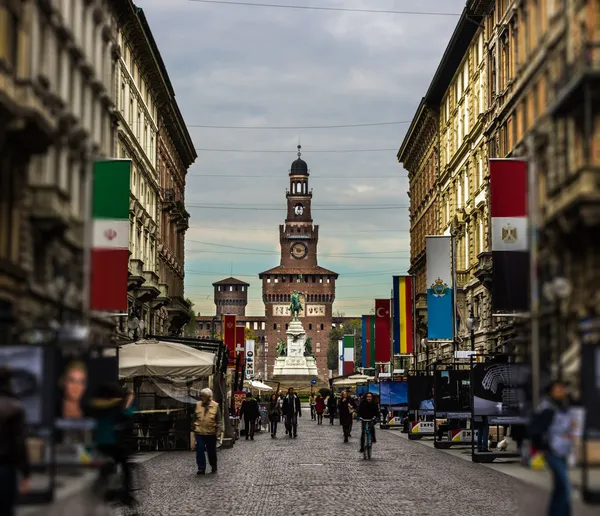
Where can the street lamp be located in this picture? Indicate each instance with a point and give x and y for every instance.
(425, 345)
(472, 324)
(557, 291)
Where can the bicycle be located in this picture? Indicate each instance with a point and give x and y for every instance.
(368, 444)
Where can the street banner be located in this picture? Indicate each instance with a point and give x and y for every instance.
(340, 357)
(229, 334)
(348, 342)
(239, 344)
(368, 341)
(440, 292)
(249, 359)
(403, 315)
(383, 345)
(109, 260)
(590, 375)
(510, 244)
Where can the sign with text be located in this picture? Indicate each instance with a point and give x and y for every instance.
(249, 359)
(422, 427)
(315, 310)
(461, 435)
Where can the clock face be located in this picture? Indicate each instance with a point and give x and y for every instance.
(298, 209)
(299, 251)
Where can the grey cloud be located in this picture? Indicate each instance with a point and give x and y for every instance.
(233, 65)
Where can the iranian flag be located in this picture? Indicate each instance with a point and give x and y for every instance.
(110, 228)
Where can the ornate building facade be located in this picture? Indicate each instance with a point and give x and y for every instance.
(543, 107)
(298, 270)
(160, 159)
(57, 62)
(463, 181)
(419, 155)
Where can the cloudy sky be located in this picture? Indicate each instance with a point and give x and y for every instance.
(235, 65)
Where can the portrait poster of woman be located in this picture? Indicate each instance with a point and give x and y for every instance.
(72, 385)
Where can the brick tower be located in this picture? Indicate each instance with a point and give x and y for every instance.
(298, 270)
(231, 297)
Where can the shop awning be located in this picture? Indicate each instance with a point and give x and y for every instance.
(166, 359)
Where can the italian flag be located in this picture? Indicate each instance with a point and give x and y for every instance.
(348, 343)
(110, 227)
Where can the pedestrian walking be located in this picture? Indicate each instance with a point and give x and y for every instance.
(312, 402)
(331, 407)
(207, 427)
(274, 415)
(346, 411)
(250, 411)
(14, 461)
(551, 431)
(292, 410)
(319, 408)
(113, 411)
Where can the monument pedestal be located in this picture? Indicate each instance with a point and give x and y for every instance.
(295, 364)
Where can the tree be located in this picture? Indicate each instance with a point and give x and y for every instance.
(352, 327)
(189, 330)
(332, 356)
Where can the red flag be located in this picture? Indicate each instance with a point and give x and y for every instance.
(383, 344)
(239, 345)
(229, 333)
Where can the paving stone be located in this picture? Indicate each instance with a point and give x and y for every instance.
(318, 474)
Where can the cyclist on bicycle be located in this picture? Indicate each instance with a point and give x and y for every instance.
(367, 409)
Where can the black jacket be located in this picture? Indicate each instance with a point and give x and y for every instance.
(291, 406)
(13, 448)
(368, 410)
(344, 411)
(250, 410)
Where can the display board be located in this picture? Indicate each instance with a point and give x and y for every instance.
(452, 394)
(394, 394)
(502, 391)
(420, 394)
(590, 383)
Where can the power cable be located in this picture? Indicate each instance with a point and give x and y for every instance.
(289, 127)
(314, 8)
(267, 151)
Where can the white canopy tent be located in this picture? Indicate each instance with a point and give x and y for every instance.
(356, 379)
(259, 385)
(165, 359)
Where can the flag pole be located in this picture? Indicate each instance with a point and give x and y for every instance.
(414, 321)
(454, 287)
(533, 274)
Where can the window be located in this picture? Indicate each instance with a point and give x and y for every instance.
(230, 288)
(275, 326)
(310, 326)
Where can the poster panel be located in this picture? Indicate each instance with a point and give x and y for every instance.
(394, 394)
(590, 383)
(420, 394)
(453, 394)
(502, 391)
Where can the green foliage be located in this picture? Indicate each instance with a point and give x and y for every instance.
(352, 327)
(324, 391)
(189, 330)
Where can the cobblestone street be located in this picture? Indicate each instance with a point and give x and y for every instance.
(317, 474)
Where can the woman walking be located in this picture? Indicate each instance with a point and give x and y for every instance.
(331, 407)
(274, 414)
(319, 408)
(346, 411)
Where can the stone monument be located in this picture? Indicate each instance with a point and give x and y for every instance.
(295, 359)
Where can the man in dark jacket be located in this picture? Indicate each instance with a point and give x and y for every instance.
(368, 409)
(13, 449)
(292, 411)
(250, 412)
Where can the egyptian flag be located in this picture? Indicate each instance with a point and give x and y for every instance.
(109, 260)
(368, 341)
(510, 245)
(229, 335)
(403, 315)
(383, 344)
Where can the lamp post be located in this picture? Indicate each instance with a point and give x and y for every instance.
(425, 345)
(472, 324)
(557, 291)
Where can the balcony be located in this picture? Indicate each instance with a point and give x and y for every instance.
(483, 270)
(179, 314)
(163, 298)
(49, 209)
(149, 290)
(580, 79)
(168, 199)
(136, 275)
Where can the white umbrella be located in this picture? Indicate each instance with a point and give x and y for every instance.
(260, 386)
(160, 358)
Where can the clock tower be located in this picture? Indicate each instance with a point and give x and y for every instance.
(298, 270)
(298, 237)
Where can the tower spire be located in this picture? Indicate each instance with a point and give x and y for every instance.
(299, 151)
